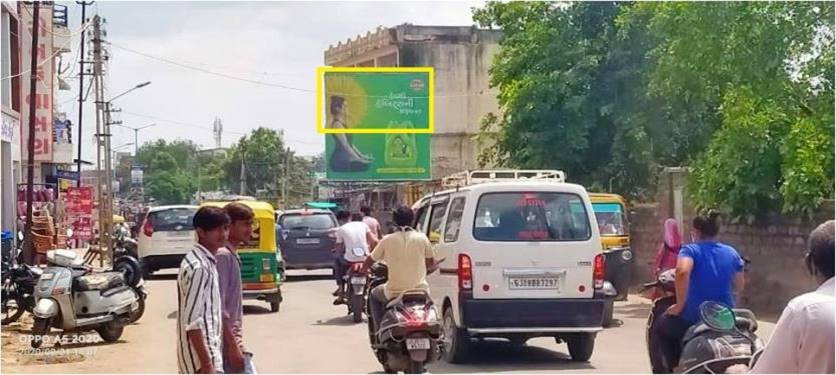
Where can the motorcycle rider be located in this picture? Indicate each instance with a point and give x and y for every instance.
(803, 339)
(353, 238)
(408, 255)
(706, 270)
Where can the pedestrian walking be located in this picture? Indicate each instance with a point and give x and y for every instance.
(198, 296)
(236, 358)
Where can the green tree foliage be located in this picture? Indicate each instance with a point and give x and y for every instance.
(742, 92)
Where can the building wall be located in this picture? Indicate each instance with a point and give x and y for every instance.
(461, 57)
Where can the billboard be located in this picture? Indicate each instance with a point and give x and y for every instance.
(377, 122)
(42, 97)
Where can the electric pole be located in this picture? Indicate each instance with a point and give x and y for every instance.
(28, 248)
(81, 75)
(102, 143)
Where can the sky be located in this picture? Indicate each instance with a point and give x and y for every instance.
(280, 43)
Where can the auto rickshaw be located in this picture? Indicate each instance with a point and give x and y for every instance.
(262, 268)
(610, 211)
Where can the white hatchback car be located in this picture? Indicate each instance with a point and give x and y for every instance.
(165, 237)
(522, 259)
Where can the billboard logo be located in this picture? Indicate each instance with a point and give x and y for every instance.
(417, 84)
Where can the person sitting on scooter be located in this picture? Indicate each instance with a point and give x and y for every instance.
(407, 254)
(706, 270)
(803, 339)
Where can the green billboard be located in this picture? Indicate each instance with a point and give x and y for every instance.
(377, 123)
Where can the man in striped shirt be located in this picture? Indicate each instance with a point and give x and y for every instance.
(198, 297)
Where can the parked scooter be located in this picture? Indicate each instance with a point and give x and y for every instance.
(408, 337)
(18, 293)
(72, 298)
(724, 337)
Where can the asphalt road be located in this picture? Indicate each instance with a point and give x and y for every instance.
(309, 335)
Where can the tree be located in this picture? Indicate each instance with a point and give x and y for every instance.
(741, 92)
(169, 170)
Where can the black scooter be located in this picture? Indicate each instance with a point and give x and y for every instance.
(724, 337)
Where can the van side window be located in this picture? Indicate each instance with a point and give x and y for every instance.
(421, 216)
(437, 215)
(454, 220)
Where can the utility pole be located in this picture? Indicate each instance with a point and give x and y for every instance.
(243, 173)
(102, 139)
(287, 156)
(28, 248)
(81, 75)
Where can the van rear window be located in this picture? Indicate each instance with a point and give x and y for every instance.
(173, 219)
(535, 216)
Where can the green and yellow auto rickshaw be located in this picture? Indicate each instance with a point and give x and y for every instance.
(262, 268)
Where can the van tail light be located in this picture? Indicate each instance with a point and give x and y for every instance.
(465, 272)
(599, 271)
(148, 228)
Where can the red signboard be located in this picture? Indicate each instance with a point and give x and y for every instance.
(42, 97)
(80, 209)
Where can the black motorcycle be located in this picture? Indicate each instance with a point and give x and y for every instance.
(18, 293)
(125, 261)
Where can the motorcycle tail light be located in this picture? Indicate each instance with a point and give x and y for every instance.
(599, 271)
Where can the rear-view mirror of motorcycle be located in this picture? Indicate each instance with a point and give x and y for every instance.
(435, 266)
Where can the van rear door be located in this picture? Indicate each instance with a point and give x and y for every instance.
(533, 244)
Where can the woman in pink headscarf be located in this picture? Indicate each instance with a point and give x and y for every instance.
(669, 249)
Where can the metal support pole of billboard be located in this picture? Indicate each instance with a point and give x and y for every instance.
(28, 245)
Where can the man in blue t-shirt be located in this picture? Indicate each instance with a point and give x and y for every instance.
(706, 270)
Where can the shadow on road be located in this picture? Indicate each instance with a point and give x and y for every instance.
(298, 278)
(633, 310)
(502, 356)
(344, 320)
(163, 276)
(256, 310)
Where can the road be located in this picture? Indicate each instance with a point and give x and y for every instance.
(309, 335)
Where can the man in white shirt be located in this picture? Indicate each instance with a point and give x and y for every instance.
(354, 239)
(803, 339)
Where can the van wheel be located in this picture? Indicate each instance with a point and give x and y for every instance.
(581, 346)
(456, 340)
(111, 331)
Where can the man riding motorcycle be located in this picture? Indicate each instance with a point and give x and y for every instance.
(354, 239)
(408, 255)
(706, 270)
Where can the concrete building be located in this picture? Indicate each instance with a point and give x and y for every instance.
(53, 148)
(461, 56)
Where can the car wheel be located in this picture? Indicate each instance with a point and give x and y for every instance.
(581, 346)
(456, 340)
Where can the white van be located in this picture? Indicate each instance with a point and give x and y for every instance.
(522, 259)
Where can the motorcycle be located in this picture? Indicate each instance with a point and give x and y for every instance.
(18, 293)
(70, 297)
(125, 262)
(723, 338)
(355, 291)
(409, 334)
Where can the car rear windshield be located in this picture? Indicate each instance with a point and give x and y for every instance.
(610, 217)
(172, 219)
(535, 216)
(305, 222)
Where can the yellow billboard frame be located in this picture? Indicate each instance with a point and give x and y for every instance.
(320, 73)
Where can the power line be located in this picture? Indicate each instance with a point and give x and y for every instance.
(205, 127)
(271, 84)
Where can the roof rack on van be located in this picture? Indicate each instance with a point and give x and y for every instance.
(496, 175)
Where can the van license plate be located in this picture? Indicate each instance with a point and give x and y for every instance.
(417, 344)
(533, 283)
(307, 241)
